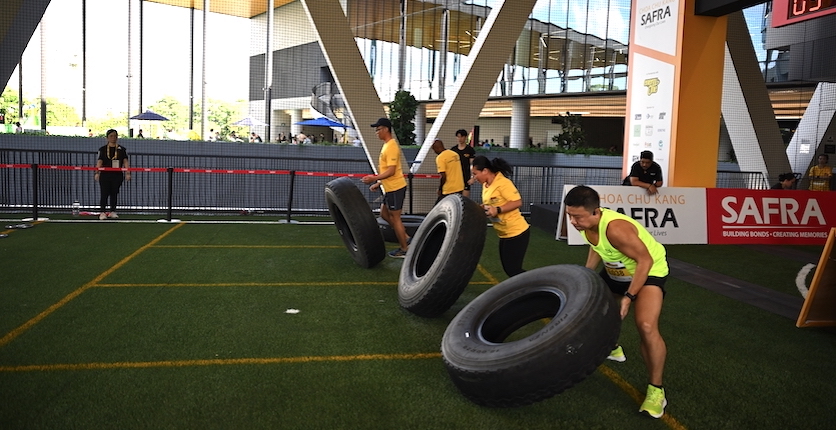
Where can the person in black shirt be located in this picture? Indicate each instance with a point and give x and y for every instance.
(645, 173)
(786, 181)
(111, 155)
(466, 155)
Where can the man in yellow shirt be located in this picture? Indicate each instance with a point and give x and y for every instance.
(635, 270)
(390, 178)
(820, 174)
(448, 165)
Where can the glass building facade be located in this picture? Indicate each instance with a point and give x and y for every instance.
(567, 46)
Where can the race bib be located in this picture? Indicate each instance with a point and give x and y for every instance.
(114, 164)
(617, 271)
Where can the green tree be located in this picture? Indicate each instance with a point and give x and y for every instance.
(9, 105)
(61, 114)
(572, 135)
(402, 114)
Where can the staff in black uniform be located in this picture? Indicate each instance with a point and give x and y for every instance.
(111, 155)
(645, 173)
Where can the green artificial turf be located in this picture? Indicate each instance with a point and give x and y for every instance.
(187, 326)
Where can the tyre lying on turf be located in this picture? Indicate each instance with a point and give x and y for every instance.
(355, 222)
(498, 352)
(410, 223)
(442, 256)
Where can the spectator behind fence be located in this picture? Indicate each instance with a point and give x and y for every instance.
(449, 167)
(820, 174)
(645, 173)
(786, 181)
(116, 156)
(501, 201)
(466, 154)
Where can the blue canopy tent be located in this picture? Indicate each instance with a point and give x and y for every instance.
(323, 122)
(148, 115)
(250, 122)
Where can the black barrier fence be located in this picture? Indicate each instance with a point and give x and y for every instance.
(272, 187)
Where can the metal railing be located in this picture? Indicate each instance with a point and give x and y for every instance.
(233, 184)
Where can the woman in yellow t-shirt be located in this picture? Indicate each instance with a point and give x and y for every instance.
(820, 174)
(501, 201)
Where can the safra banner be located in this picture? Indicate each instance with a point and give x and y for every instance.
(775, 217)
(720, 215)
(673, 215)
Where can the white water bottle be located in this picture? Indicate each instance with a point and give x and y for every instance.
(76, 207)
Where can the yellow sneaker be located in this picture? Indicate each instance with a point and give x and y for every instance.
(617, 355)
(654, 402)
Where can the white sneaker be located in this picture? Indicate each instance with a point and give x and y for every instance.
(112, 215)
(102, 216)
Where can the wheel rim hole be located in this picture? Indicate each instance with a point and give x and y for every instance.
(430, 248)
(521, 317)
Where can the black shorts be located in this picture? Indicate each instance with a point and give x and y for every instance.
(619, 287)
(394, 199)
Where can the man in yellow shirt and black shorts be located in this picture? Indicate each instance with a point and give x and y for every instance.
(635, 270)
(390, 177)
(448, 165)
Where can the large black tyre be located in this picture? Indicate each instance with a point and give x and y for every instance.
(442, 257)
(582, 328)
(410, 223)
(355, 222)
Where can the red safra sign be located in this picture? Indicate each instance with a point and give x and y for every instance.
(769, 217)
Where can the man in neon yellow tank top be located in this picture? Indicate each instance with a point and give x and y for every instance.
(635, 270)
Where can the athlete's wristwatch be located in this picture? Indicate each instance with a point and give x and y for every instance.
(632, 297)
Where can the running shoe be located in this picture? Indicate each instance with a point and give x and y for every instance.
(617, 355)
(103, 216)
(655, 402)
(397, 253)
(112, 215)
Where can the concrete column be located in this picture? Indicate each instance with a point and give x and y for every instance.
(282, 122)
(520, 122)
(816, 128)
(675, 90)
(337, 42)
(20, 19)
(295, 116)
(490, 51)
(747, 111)
(421, 123)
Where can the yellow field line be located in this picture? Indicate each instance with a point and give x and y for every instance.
(257, 284)
(637, 396)
(28, 324)
(487, 274)
(249, 284)
(253, 246)
(216, 362)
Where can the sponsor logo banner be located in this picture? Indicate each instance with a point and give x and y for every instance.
(776, 217)
(674, 215)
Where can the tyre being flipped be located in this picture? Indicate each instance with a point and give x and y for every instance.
(491, 362)
(355, 222)
(442, 257)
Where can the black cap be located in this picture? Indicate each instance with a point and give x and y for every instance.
(383, 122)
